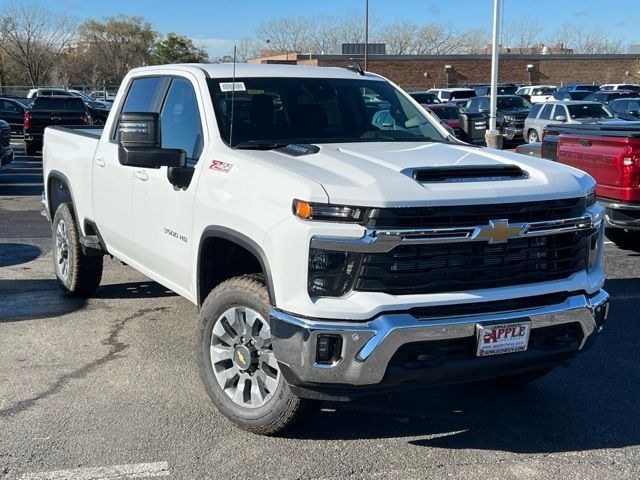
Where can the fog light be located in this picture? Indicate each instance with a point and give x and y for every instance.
(328, 349)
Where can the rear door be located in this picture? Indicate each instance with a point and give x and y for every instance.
(163, 213)
(113, 183)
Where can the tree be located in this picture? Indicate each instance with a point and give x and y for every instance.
(35, 39)
(122, 42)
(285, 34)
(585, 40)
(178, 49)
(400, 37)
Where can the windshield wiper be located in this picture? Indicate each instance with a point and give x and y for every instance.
(259, 145)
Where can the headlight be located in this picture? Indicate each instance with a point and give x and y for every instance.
(327, 213)
(509, 119)
(331, 274)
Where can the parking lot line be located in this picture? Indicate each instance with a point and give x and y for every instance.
(116, 472)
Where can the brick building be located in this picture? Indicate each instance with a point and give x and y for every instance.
(426, 71)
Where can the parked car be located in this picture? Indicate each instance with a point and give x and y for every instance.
(6, 152)
(424, 98)
(609, 153)
(606, 96)
(571, 95)
(449, 113)
(626, 108)
(570, 113)
(103, 96)
(48, 111)
(97, 109)
(48, 92)
(510, 114)
(632, 87)
(12, 111)
(570, 87)
(482, 89)
(327, 259)
(453, 94)
(537, 93)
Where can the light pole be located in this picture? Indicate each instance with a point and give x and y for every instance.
(366, 34)
(493, 137)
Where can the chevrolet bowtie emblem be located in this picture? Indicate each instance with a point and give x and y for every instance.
(240, 357)
(499, 231)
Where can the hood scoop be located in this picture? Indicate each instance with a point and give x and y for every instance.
(467, 173)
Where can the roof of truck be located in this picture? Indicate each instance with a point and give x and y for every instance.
(225, 70)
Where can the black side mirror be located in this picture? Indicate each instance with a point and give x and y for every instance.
(140, 144)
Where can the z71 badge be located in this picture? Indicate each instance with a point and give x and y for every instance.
(220, 166)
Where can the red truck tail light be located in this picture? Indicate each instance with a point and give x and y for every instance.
(27, 119)
(630, 168)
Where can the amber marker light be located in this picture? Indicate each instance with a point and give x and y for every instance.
(302, 209)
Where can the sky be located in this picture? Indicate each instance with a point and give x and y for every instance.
(216, 24)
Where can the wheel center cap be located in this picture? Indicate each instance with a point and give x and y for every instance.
(242, 357)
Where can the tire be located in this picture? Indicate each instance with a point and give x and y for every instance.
(233, 315)
(520, 380)
(78, 275)
(532, 136)
(30, 149)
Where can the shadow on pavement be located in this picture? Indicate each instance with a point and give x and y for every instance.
(591, 405)
(31, 299)
(17, 253)
(147, 289)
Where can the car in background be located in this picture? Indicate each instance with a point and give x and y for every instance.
(537, 93)
(49, 111)
(98, 110)
(625, 108)
(12, 111)
(103, 96)
(457, 95)
(621, 86)
(510, 113)
(570, 95)
(569, 113)
(605, 96)
(482, 89)
(570, 87)
(449, 114)
(424, 97)
(6, 152)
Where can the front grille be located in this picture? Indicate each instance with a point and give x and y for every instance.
(469, 215)
(434, 268)
(566, 337)
(5, 136)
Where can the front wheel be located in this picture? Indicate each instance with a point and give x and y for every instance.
(78, 274)
(532, 137)
(236, 361)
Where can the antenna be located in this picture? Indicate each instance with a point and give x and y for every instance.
(233, 96)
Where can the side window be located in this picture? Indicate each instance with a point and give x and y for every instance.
(533, 113)
(180, 120)
(484, 105)
(546, 112)
(472, 106)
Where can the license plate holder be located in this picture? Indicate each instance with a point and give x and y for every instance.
(502, 338)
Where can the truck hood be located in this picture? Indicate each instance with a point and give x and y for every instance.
(379, 174)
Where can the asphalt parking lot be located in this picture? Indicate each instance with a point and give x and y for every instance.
(108, 388)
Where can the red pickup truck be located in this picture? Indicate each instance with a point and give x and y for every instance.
(611, 154)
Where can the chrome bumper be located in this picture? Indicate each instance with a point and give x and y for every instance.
(367, 347)
(512, 132)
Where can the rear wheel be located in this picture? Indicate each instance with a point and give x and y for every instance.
(78, 274)
(532, 136)
(236, 361)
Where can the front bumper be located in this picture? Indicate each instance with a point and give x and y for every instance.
(368, 347)
(513, 132)
(620, 214)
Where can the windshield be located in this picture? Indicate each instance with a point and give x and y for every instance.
(59, 103)
(458, 94)
(505, 103)
(316, 110)
(589, 110)
(543, 91)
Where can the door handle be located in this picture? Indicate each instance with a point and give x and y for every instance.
(141, 175)
(100, 162)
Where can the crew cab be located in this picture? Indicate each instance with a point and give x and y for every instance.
(46, 111)
(610, 152)
(334, 245)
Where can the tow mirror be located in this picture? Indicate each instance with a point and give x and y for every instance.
(140, 143)
(560, 118)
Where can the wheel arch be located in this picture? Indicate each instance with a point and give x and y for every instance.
(58, 189)
(232, 242)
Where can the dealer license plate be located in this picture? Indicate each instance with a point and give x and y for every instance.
(502, 338)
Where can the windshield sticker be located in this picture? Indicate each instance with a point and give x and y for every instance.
(231, 87)
(220, 166)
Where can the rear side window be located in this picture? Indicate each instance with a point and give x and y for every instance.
(546, 112)
(71, 104)
(180, 120)
(533, 113)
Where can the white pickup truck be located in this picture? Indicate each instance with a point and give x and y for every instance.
(336, 240)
